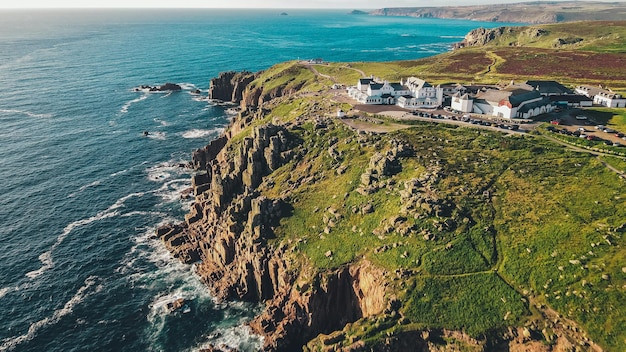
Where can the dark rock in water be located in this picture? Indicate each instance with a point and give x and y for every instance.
(358, 12)
(146, 133)
(197, 91)
(284, 14)
(170, 86)
(162, 88)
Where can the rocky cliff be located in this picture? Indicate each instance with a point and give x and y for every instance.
(482, 36)
(229, 86)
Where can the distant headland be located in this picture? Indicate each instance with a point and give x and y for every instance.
(523, 12)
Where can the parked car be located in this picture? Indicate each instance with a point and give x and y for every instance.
(617, 144)
(599, 127)
(608, 130)
(619, 134)
(582, 129)
(581, 117)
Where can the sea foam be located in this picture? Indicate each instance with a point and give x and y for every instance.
(91, 285)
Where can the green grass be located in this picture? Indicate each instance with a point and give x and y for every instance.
(476, 304)
(614, 118)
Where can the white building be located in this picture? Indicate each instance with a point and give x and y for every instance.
(604, 97)
(414, 93)
(462, 102)
(514, 101)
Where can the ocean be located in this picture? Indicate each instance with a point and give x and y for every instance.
(83, 189)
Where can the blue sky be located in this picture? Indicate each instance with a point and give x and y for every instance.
(348, 4)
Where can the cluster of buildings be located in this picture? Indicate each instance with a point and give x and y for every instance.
(513, 101)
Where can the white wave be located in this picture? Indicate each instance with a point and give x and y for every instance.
(171, 190)
(452, 36)
(238, 337)
(46, 257)
(188, 86)
(168, 93)
(91, 286)
(198, 133)
(127, 105)
(27, 113)
(163, 171)
(82, 188)
(115, 174)
(197, 97)
(161, 122)
(142, 213)
(157, 135)
(5, 290)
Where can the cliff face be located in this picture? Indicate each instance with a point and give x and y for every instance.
(229, 86)
(482, 36)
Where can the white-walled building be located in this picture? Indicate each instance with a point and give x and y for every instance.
(604, 97)
(514, 101)
(462, 102)
(414, 93)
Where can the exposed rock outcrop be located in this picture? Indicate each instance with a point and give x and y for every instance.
(229, 86)
(332, 300)
(162, 88)
(482, 36)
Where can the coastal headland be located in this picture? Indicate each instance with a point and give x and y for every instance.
(403, 234)
(523, 12)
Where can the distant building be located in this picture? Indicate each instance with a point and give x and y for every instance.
(316, 61)
(601, 96)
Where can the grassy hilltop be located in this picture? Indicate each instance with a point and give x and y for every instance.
(476, 231)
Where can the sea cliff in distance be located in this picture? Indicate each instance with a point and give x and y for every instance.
(523, 12)
(363, 232)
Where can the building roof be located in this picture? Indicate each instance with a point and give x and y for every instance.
(549, 87)
(570, 98)
(398, 86)
(535, 104)
(414, 82)
(365, 80)
(493, 96)
(518, 99)
(593, 91)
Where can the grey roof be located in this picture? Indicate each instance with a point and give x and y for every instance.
(535, 104)
(398, 86)
(376, 86)
(518, 99)
(570, 98)
(549, 87)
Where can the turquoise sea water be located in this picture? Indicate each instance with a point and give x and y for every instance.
(81, 188)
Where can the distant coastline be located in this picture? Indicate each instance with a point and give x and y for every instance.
(523, 12)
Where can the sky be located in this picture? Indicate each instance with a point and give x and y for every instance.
(348, 4)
